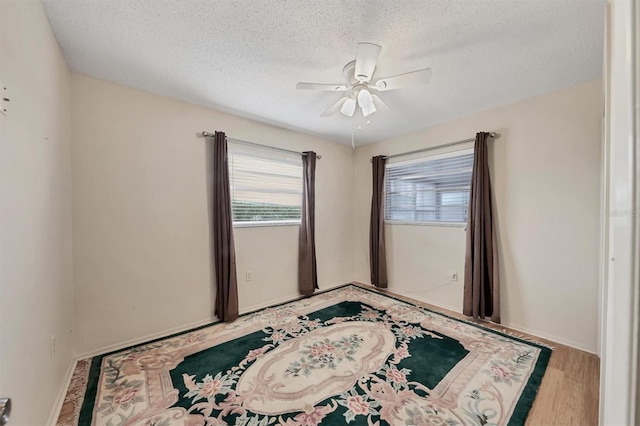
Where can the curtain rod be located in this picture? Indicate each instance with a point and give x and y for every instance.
(493, 135)
(207, 134)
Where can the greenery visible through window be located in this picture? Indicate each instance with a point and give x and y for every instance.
(260, 212)
(429, 190)
(266, 186)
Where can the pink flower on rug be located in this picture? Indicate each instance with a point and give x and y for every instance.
(193, 338)
(500, 372)
(211, 388)
(122, 396)
(396, 376)
(125, 396)
(283, 313)
(277, 336)
(310, 419)
(401, 353)
(358, 405)
(255, 353)
(292, 327)
(327, 348)
(315, 351)
(408, 331)
(370, 315)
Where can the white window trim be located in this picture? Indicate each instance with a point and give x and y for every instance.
(448, 154)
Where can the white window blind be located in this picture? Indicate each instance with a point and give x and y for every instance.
(266, 185)
(431, 189)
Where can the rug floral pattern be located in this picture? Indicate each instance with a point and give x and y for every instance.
(347, 356)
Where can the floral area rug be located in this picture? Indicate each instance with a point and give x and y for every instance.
(346, 356)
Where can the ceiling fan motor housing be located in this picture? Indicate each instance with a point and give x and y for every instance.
(349, 73)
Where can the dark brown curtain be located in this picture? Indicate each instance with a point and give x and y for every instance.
(377, 250)
(224, 256)
(481, 283)
(307, 270)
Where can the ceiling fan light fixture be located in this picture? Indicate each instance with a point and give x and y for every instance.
(365, 100)
(362, 90)
(367, 111)
(348, 107)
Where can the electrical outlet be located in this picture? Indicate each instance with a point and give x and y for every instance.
(454, 276)
(248, 276)
(53, 346)
(4, 99)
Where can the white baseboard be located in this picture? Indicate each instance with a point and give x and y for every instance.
(62, 393)
(270, 303)
(426, 300)
(285, 299)
(180, 329)
(556, 339)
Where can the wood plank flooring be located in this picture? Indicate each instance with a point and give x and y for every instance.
(569, 391)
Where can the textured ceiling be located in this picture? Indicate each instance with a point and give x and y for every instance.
(246, 56)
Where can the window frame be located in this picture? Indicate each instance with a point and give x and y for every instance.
(425, 158)
(271, 155)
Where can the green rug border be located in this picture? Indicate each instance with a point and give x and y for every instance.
(520, 413)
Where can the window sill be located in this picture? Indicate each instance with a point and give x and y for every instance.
(438, 224)
(263, 224)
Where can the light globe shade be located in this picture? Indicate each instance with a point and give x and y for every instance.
(367, 111)
(349, 107)
(365, 100)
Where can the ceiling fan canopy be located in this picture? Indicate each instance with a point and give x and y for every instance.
(360, 87)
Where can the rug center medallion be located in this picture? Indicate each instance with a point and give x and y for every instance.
(306, 370)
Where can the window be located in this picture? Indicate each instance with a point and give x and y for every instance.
(429, 190)
(266, 186)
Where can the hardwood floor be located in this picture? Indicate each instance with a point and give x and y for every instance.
(569, 391)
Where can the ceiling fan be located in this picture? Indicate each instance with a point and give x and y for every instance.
(362, 91)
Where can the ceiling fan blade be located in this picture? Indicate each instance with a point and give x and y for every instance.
(320, 86)
(381, 106)
(366, 59)
(409, 79)
(334, 108)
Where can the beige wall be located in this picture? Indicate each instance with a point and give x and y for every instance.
(545, 170)
(141, 222)
(141, 225)
(36, 299)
